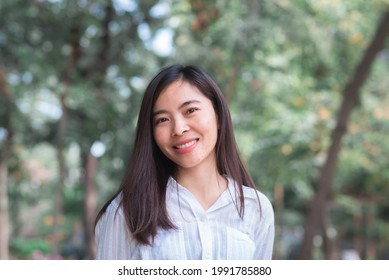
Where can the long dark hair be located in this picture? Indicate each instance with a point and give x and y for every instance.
(144, 186)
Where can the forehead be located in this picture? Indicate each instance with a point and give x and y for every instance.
(178, 92)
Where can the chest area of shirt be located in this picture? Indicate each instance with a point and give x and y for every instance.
(201, 240)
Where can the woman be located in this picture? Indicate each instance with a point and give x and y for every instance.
(186, 194)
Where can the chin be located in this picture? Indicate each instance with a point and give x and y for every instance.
(187, 164)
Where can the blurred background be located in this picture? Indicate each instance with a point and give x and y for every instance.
(307, 83)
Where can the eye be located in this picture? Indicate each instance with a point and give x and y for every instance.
(161, 120)
(191, 110)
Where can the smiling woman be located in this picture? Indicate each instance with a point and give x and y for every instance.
(185, 128)
(186, 193)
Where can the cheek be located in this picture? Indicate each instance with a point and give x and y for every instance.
(210, 128)
(158, 137)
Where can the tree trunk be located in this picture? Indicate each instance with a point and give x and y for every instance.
(358, 225)
(351, 94)
(4, 215)
(58, 194)
(89, 161)
(371, 248)
(90, 204)
(279, 209)
(328, 244)
(5, 152)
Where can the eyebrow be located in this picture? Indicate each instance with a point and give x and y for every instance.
(186, 103)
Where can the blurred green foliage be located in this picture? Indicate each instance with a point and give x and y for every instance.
(25, 248)
(282, 66)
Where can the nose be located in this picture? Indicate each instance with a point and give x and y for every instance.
(180, 126)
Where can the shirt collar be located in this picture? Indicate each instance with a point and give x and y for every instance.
(228, 196)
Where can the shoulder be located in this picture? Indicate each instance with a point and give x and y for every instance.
(113, 238)
(115, 206)
(115, 203)
(113, 214)
(254, 200)
(251, 194)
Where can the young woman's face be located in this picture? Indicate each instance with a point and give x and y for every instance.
(185, 126)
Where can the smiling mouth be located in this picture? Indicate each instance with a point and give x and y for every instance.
(186, 145)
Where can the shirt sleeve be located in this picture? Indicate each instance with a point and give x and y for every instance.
(264, 240)
(113, 240)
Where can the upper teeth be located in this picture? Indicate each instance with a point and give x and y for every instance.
(186, 145)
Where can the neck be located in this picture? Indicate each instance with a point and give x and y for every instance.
(204, 182)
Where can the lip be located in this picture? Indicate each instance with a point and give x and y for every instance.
(183, 147)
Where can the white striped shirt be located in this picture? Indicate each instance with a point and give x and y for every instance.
(216, 233)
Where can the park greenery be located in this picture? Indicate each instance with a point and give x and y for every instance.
(72, 75)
